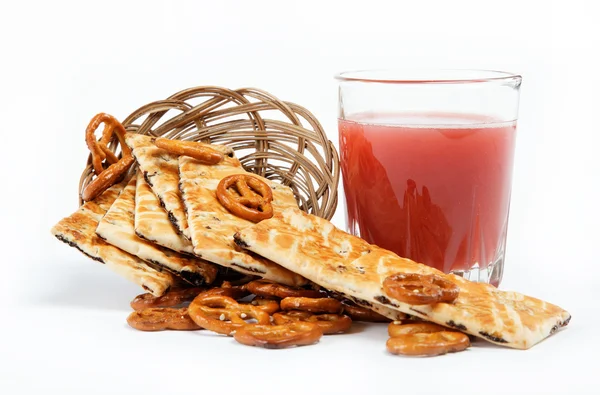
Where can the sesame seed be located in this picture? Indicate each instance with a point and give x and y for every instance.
(222, 317)
(243, 315)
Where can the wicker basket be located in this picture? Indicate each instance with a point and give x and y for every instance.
(278, 140)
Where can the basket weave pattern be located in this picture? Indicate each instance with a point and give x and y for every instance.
(278, 140)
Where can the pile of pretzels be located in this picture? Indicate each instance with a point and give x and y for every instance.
(256, 313)
(270, 315)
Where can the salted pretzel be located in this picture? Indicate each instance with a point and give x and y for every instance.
(105, 178)
(313, 305)
(250, 200)
(198, 151)
(279, 336)
(268, 289)
(172, 298)
(329, 323)
(358, 313)
(420, 289)
(224, 315)
(159, 319)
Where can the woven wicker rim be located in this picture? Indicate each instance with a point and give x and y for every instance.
(294, 151)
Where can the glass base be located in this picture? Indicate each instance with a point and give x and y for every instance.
(491, 274)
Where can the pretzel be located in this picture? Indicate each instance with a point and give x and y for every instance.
(105, 178)
(159, 319)
(172, 298)
(198, 151)
(395, 329)
(279, 336)
(99, 148)
(235, 281)
(224, 315)
(313, 305)
(252, 200)
(269, 306)
(268, 289)
(424, 339)
(420, 289)
(428, 344)
(358, 313)
(329, 323)
(228, 290)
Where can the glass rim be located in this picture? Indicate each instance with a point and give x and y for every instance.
(427, 76)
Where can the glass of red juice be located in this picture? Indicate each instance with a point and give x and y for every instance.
(427, 159)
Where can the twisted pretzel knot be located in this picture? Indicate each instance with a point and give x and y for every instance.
(420, 289)
(99, 148)
(313, 305)
(252, 200)
(269, 289)
(162, 318)
(290, 334)
(222, 314)
(424, 339)
(172, 298)
(105, 178)
(328, 323)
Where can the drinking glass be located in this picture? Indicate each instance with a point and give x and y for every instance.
(427, 159)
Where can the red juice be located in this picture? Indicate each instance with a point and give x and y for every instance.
(431, 187)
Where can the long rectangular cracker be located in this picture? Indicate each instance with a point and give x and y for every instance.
(152, 221)
(338, 261)
(79, 230)
(160, 169)
(212, 226)
(117, 228)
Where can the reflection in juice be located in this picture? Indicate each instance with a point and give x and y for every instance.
(434, 188)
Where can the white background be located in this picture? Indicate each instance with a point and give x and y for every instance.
(62, 328)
